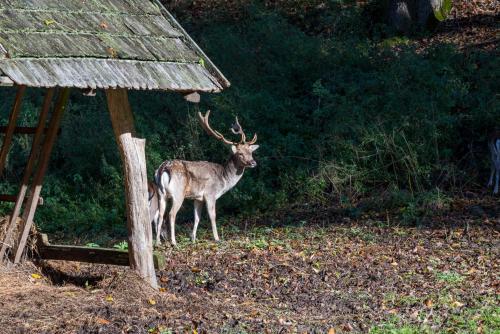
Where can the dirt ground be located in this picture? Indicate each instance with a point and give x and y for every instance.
(319, 273)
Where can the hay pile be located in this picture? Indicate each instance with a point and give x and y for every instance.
(31, 243)
(36, 299)
(4, 221)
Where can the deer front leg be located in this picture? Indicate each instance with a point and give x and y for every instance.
(198, 206)
(211, 213)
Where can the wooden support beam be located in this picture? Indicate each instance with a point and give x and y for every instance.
(117, 257)
(7, 140)
(132, 151)
(24, 130)
(31, 205)
(13, 198)
(35, 149)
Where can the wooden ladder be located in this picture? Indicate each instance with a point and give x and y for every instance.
(41, 148)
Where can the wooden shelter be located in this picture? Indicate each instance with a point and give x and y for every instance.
(115, 45)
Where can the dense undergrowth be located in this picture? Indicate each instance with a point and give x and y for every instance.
(344, 111)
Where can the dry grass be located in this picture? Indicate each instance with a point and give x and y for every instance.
(32, 303)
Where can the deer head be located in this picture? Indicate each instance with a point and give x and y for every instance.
(242, 150)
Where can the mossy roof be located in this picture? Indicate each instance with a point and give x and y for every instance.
(134, 44)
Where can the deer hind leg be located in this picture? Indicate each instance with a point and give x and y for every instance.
(490, 182)
(198, 206)
(497, 174)
(211, 213)
(161, 216)
(177, 200)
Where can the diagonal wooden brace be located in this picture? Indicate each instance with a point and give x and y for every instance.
(48, 144)
(9, 132)
(35, 149)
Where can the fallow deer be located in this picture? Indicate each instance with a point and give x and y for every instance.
(202, 181)
(494, 145)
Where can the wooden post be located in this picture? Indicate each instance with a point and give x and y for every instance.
(48, 143)
(132, 151)
(11, 127)
(35, 149)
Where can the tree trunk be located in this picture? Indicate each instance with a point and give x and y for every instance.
(405, 15)
(132, 151)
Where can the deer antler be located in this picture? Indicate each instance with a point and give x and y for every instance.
(210, 131)
(238, 130)
(235, 128)
(254, 139)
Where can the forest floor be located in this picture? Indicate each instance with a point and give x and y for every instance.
(319, 272)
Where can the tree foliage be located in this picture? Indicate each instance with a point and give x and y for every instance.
(342, 113)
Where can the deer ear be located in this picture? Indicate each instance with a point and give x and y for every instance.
(254, 147)
(234, 149)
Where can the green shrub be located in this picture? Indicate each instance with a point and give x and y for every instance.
(340, 116)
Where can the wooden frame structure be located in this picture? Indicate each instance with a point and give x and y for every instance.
(139, 46)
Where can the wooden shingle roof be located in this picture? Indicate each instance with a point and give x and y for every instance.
(132, 44)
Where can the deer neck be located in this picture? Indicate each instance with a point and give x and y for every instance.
(232, 172)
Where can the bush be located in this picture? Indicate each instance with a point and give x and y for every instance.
(339, 116)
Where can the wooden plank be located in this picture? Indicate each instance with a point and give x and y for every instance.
(132, 152)
(35, 149)
(101, 255)
(192, 44)
(25, 130)
(107, 73)
(85, 22)
(32, 203)
(13, 198)
(58, 45)
(6, 81)
(10, 127)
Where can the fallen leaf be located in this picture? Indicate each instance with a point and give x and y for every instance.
(152, 301)
(164, 279)
(331, 331)
(195, 269)
(457, 304)
(112, 52)
(348, 327)
(428, 303)
(109, 298)
(103, 25)
(36, 276)
(49, 22)
(102, 321)
(162, 290)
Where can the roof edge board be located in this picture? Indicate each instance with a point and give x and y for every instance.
(5, 81)
(208, 63)
(3, 52)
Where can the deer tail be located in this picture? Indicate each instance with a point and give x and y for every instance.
(162, 179)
